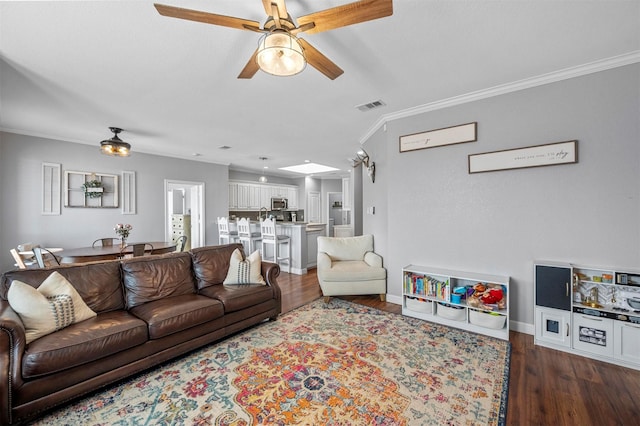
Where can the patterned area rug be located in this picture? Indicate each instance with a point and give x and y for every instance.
(334, 364)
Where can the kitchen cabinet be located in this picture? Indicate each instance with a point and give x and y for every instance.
(248, 196)
(585, 311)
(233, 196)
(444, 296)
(253, 196)
(292, 196)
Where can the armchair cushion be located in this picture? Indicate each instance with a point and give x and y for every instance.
(347, 248)
(353, 270)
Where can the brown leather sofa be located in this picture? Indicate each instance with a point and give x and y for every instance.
(150, 309)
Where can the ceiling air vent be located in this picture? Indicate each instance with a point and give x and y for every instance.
(371, 105)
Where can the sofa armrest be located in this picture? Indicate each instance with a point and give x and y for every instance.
(12, 346)
(373, 259)
(324, 262)
(270, 271)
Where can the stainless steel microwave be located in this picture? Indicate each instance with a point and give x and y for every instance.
(279, 203)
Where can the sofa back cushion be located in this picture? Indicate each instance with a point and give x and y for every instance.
(98, 284)
(149, 278)
(210, 264)
(347, 248)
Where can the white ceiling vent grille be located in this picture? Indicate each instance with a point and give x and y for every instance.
(371, 105)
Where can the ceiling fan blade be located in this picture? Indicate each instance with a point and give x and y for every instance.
(251, 68)
(282, 8)
(206, 17)
(319, 61)
(348, 14)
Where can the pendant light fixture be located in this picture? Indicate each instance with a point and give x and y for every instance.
(115, 146)
(263, 178)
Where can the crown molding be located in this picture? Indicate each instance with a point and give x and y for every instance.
(552, 77)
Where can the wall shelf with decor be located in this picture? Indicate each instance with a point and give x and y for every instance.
(467, 300)
(90, 190)
(589, 311)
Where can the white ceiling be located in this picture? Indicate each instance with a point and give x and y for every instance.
(69, 70)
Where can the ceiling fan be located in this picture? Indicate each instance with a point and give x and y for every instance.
(280, 51)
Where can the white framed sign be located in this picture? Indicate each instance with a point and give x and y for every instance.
(439, 137)
(532, 156)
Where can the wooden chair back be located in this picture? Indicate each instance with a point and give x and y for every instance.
(19, 261)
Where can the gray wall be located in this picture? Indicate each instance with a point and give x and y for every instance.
(588, 213)
(21, 220)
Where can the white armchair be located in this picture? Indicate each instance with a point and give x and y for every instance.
(349, 266)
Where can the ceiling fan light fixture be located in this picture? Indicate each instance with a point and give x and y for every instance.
(280, 53)
(115, 146)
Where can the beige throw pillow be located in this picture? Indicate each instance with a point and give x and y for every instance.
(245, 271)
(53, 306)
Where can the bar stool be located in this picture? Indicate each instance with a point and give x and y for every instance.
(224, 233)
(269, 236)
(247, 238)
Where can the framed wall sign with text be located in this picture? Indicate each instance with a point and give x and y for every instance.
(440, 137)
(532, 156)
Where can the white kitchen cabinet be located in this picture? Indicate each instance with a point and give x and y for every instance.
(430, 294)
(248, 196)
(265, 196)
(253, 196)
(292, 196)
(233, 195)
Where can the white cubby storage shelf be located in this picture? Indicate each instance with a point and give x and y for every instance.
(448, 297)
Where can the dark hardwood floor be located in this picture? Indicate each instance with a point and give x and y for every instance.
(546, 387)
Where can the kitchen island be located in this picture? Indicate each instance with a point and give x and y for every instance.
(304, 244)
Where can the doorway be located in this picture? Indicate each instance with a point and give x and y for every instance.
(334, 213)
(184, 200)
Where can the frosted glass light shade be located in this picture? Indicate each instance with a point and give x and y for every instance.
(279, 53)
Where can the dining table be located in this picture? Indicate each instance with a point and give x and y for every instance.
(97, 253)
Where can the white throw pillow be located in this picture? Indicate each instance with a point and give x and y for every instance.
(245, 271)
(53, 306)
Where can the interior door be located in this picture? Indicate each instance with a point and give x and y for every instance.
(313, 207)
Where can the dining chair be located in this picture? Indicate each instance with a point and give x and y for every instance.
(139, 249)
(181, 243)
(224, 233)
(105, 242)
(20, 263)
(248, 239)
(45, 258)
(269, 236)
